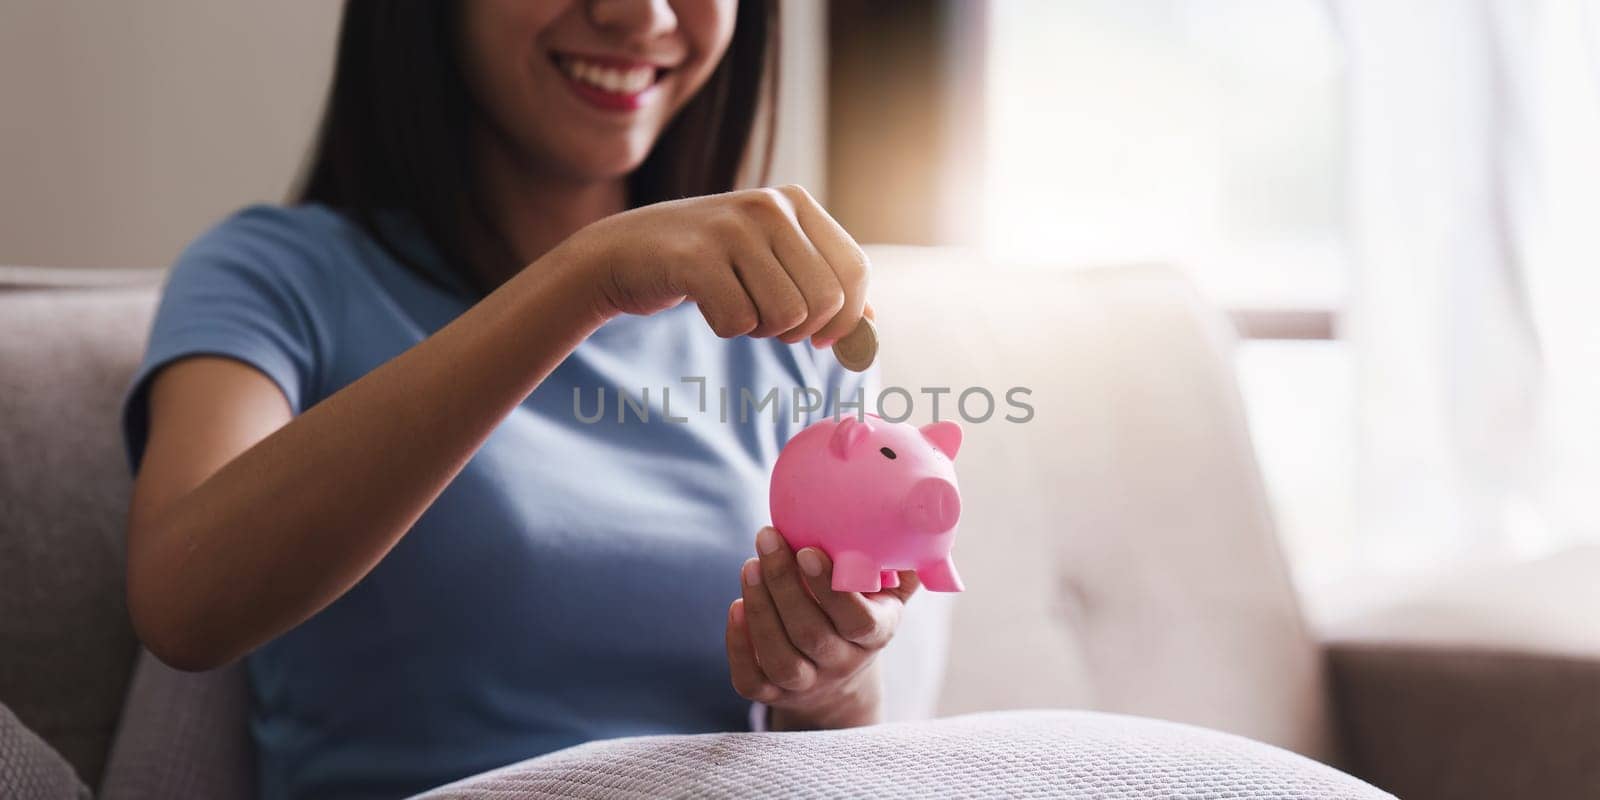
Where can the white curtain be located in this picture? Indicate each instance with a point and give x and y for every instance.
(1474, 223)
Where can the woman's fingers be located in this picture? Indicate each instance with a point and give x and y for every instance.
(845, 257)
(782, 663)
(809, 270)
(762, 262)
(780, 305)
(909, 584)
(809, 629)
(854, 616)
(748, 679)
(723, 301)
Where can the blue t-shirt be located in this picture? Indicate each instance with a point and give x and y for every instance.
(572, 583)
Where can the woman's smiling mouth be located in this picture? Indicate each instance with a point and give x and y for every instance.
(609, 83)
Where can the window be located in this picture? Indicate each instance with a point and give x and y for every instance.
(1208, 135)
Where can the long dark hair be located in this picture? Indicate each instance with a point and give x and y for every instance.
(395, 132)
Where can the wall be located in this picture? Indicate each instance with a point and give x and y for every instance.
(127, 128)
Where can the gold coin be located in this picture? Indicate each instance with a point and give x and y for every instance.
(857, 350)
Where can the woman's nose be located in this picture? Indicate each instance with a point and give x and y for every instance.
(641, 18)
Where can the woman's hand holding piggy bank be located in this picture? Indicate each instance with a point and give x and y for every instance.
(859, 500)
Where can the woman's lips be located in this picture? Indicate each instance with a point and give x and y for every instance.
(608, 83)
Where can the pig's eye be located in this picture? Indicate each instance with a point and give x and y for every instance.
(887, 453)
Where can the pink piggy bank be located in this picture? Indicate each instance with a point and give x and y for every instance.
(875, 496)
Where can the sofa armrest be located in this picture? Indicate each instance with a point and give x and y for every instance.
(1485, 687)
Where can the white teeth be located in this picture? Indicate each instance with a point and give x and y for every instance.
(616, 81)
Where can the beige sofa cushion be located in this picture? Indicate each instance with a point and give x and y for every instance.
(66, 647)
(1118, 548)
(183, 734)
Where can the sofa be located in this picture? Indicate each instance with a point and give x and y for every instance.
(1130, 628)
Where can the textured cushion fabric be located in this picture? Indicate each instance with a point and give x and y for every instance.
(29, 769)
(1118, 548)
(182, 734)
(1019, 754)
(66, 647)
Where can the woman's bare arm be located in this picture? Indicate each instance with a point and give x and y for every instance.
(245, 522)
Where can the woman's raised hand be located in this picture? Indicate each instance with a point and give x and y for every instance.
(757, 262)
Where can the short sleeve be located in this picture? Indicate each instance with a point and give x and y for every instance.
(252, 289)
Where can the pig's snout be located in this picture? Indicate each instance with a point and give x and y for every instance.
(933, 506)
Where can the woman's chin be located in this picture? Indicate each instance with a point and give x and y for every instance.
(610, 160)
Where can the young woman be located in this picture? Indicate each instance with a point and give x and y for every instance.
(363, 433)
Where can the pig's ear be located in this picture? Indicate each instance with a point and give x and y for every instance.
(849, 433)
(944, 435)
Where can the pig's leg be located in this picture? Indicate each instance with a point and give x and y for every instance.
(890, 578)
(940, 576)
(854, 572)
